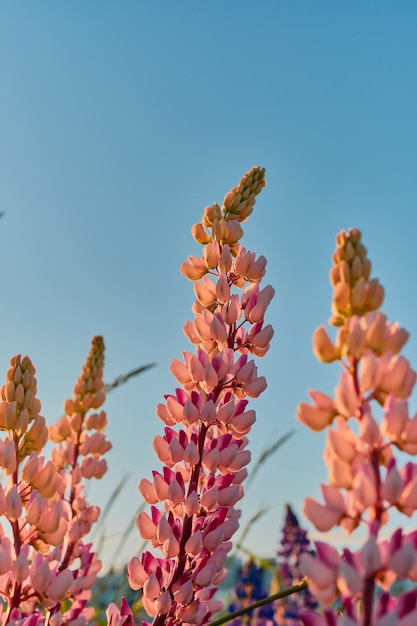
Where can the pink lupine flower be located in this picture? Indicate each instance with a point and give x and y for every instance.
(397, 377)
(46, 562)
(323, 347)
(364, 480)
(393, 484)
(124, 617)
(58, 587)
(206, 421)
(350, 575)
(346, 399)
(321, 571)
(194, 268)
(407, 500)
(312, 618)
(6, 558)
(319, 416)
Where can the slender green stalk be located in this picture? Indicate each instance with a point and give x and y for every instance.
(124, 536)
(255, 517)
(275, 596)
(109, 504)
(125, 377)
(267, 452)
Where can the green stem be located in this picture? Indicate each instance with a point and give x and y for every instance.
(275, 596)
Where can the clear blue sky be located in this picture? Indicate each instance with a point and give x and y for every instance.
(120, 121)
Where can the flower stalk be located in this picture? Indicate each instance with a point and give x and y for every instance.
(279, 595)
(46, 569)
(364, 484)
(203, 449)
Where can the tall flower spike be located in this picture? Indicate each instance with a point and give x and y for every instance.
(28, 478)
(364, 483)
(203, 450)
(250, 588)
(45, 571)
(78, 457)
(294, 543)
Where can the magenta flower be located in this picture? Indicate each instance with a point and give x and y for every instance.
(193, 497)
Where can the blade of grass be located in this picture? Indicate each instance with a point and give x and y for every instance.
(255, 517)
(125, 377)
(264, 456)
(125, 535)
(101, 541)
(110, 502)
(239, 543)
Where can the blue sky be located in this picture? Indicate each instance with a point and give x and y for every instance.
(120, 121)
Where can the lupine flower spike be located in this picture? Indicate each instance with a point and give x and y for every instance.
(78, 457)
(38, 577)
(207, 420)
(364, 480)
(248, 590)
(294, 544)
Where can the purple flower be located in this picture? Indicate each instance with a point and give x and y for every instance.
(294, 543)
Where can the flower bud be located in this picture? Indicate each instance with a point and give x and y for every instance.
(194, 268)
(199, 233)
(323, 347)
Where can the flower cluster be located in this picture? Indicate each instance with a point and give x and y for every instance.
(203, 449)
(294, 544)
(47, 568)
(364, 479)
(46, 571)
(249, 589)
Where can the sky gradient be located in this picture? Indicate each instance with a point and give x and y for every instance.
(120, 121)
